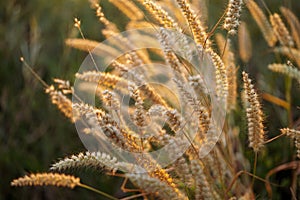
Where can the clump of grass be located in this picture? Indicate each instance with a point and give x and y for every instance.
(217, 175)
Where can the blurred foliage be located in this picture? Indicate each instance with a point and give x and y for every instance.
(33, 133)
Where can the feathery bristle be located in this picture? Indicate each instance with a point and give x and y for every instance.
(108, 24)
(110, 100)
(256, 133)
(221, 76)
(232, 17)
(294, 134)
(139, 117)
(202, 187)
(96, 160)
(172, 116)
(196, 26)
(285, 69)
(96, 48)
(155, 186)
(45, 179)
(63, 103)
(160, 14)
(229, 62)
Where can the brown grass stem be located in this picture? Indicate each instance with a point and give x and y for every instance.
(249, 174)
(274, 138)
(214, 28)
(135, 196)
(294, 165)
(97, 191)
(33, 72)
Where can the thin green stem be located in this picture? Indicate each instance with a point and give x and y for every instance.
(97, 191)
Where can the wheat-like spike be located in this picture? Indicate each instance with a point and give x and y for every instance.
(156, 171)
(102, 78)
(95, 47)
(256, 133)
(294, 134)
(219, 165)
(120, 66)
(170, 56)
(203, 189)
(173, 117)
(139, 117)
(120, 136)
(281, 31)
(196, 26)
(160, 14)
(290, 132)
(63, 85)
(229, 62)
(203, 113)
(110, 80)
(132, 59)
(45, 179)
(175, 146)
(110, 100)
(77, 23)
(98, 119)
(183, 171)
(181, 165)
(288, 70)
(245, 45)
(197, 83)
(293, 23)
(96, 160)
(128, 8)
(232, 16)
(138, 25)
(168, 40)
(101, 17)
(221, 75)
(262, 22)
(155, 186)
(63, 103)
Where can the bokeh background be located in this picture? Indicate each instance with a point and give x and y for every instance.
(34, 134)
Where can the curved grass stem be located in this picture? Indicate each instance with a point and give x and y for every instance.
(97, 191)
(235, 178)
